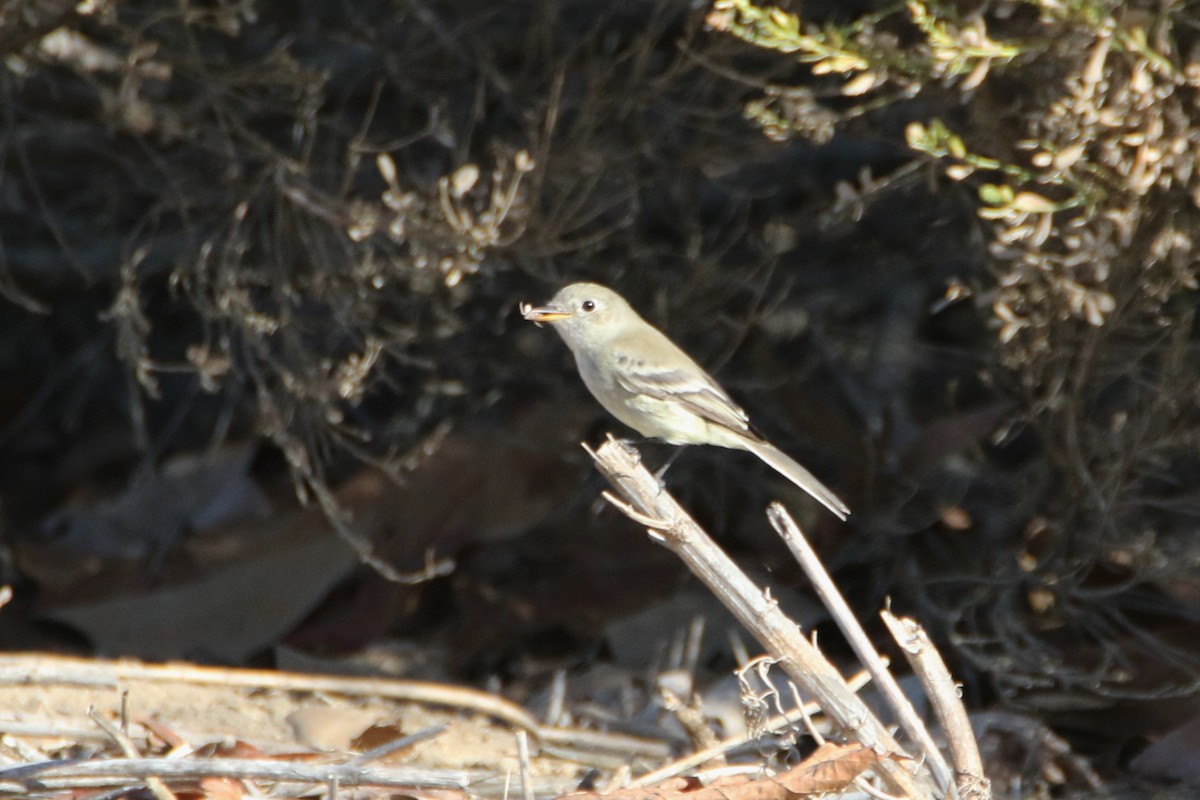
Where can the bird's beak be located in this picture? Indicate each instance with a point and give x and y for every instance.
(543, 313)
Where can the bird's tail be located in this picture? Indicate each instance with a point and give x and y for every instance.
(782, 463)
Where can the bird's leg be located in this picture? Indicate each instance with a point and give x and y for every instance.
(630, 443)
(661, 471)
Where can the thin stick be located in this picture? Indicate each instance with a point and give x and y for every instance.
(70, 773)
(804, 554)
(724, 747)
(122, 740)
(402, 743)
(558, 698)
(523, 761)
(946, 700)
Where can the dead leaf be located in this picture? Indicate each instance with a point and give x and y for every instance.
(330, 727)
(222, 789)
(376, 736)
(161, 730)
(228, 614)
(830, 768)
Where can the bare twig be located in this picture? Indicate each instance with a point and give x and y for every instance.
(946, 701)
(523, 760)
(754, 608)
(557, 703)
(39, 669)
(101, 772)
(690, 716)
(694, 760)
(804, 554)
(155, 785)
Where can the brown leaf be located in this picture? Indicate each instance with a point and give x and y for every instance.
(237, 749)
(830, 768)
(222, 789)
(376, 736)
(161, 730)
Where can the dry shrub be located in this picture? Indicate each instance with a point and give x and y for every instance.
(314, 221)
(1077, 127)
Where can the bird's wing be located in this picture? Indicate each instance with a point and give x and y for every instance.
(686, 384)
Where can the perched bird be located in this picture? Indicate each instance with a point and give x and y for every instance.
(643, 379)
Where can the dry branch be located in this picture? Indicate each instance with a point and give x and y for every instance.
(846, 621)
(946, 701)
(648, 503)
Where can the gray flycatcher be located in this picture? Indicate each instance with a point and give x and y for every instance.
(643, 379)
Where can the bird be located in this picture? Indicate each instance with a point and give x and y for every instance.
(647, 382)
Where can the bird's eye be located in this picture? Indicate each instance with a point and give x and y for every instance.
(588, 305)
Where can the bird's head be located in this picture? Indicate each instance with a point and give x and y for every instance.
(583, 311)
